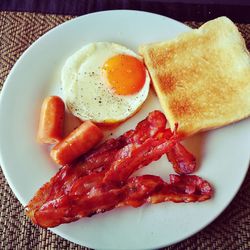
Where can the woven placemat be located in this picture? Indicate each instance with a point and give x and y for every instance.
(231, 230)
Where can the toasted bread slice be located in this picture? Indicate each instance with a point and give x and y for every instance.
(202, 77)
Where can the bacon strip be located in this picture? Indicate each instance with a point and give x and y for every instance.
(136, 192)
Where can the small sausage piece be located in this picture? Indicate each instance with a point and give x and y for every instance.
(78, 142)
(51, 120)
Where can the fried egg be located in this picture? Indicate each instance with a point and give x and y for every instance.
(104, 82)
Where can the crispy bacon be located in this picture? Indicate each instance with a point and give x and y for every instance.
(137, 191)
(101, 181)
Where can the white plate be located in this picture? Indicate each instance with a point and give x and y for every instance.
(223, 153)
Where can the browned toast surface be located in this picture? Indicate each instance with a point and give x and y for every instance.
(202, 77)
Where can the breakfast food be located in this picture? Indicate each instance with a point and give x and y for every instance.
(104, 82)
(101, 179)
(202, 77)
(137, 191)
(78, 142)
(51, 120)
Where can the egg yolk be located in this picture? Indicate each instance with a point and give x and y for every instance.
(125, 74)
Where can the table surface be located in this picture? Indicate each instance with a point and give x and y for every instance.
(231, 230)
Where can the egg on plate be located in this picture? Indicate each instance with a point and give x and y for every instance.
(104, 82)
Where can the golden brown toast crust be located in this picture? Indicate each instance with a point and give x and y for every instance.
(202, 77)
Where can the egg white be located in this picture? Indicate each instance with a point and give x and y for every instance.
(86, 92)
